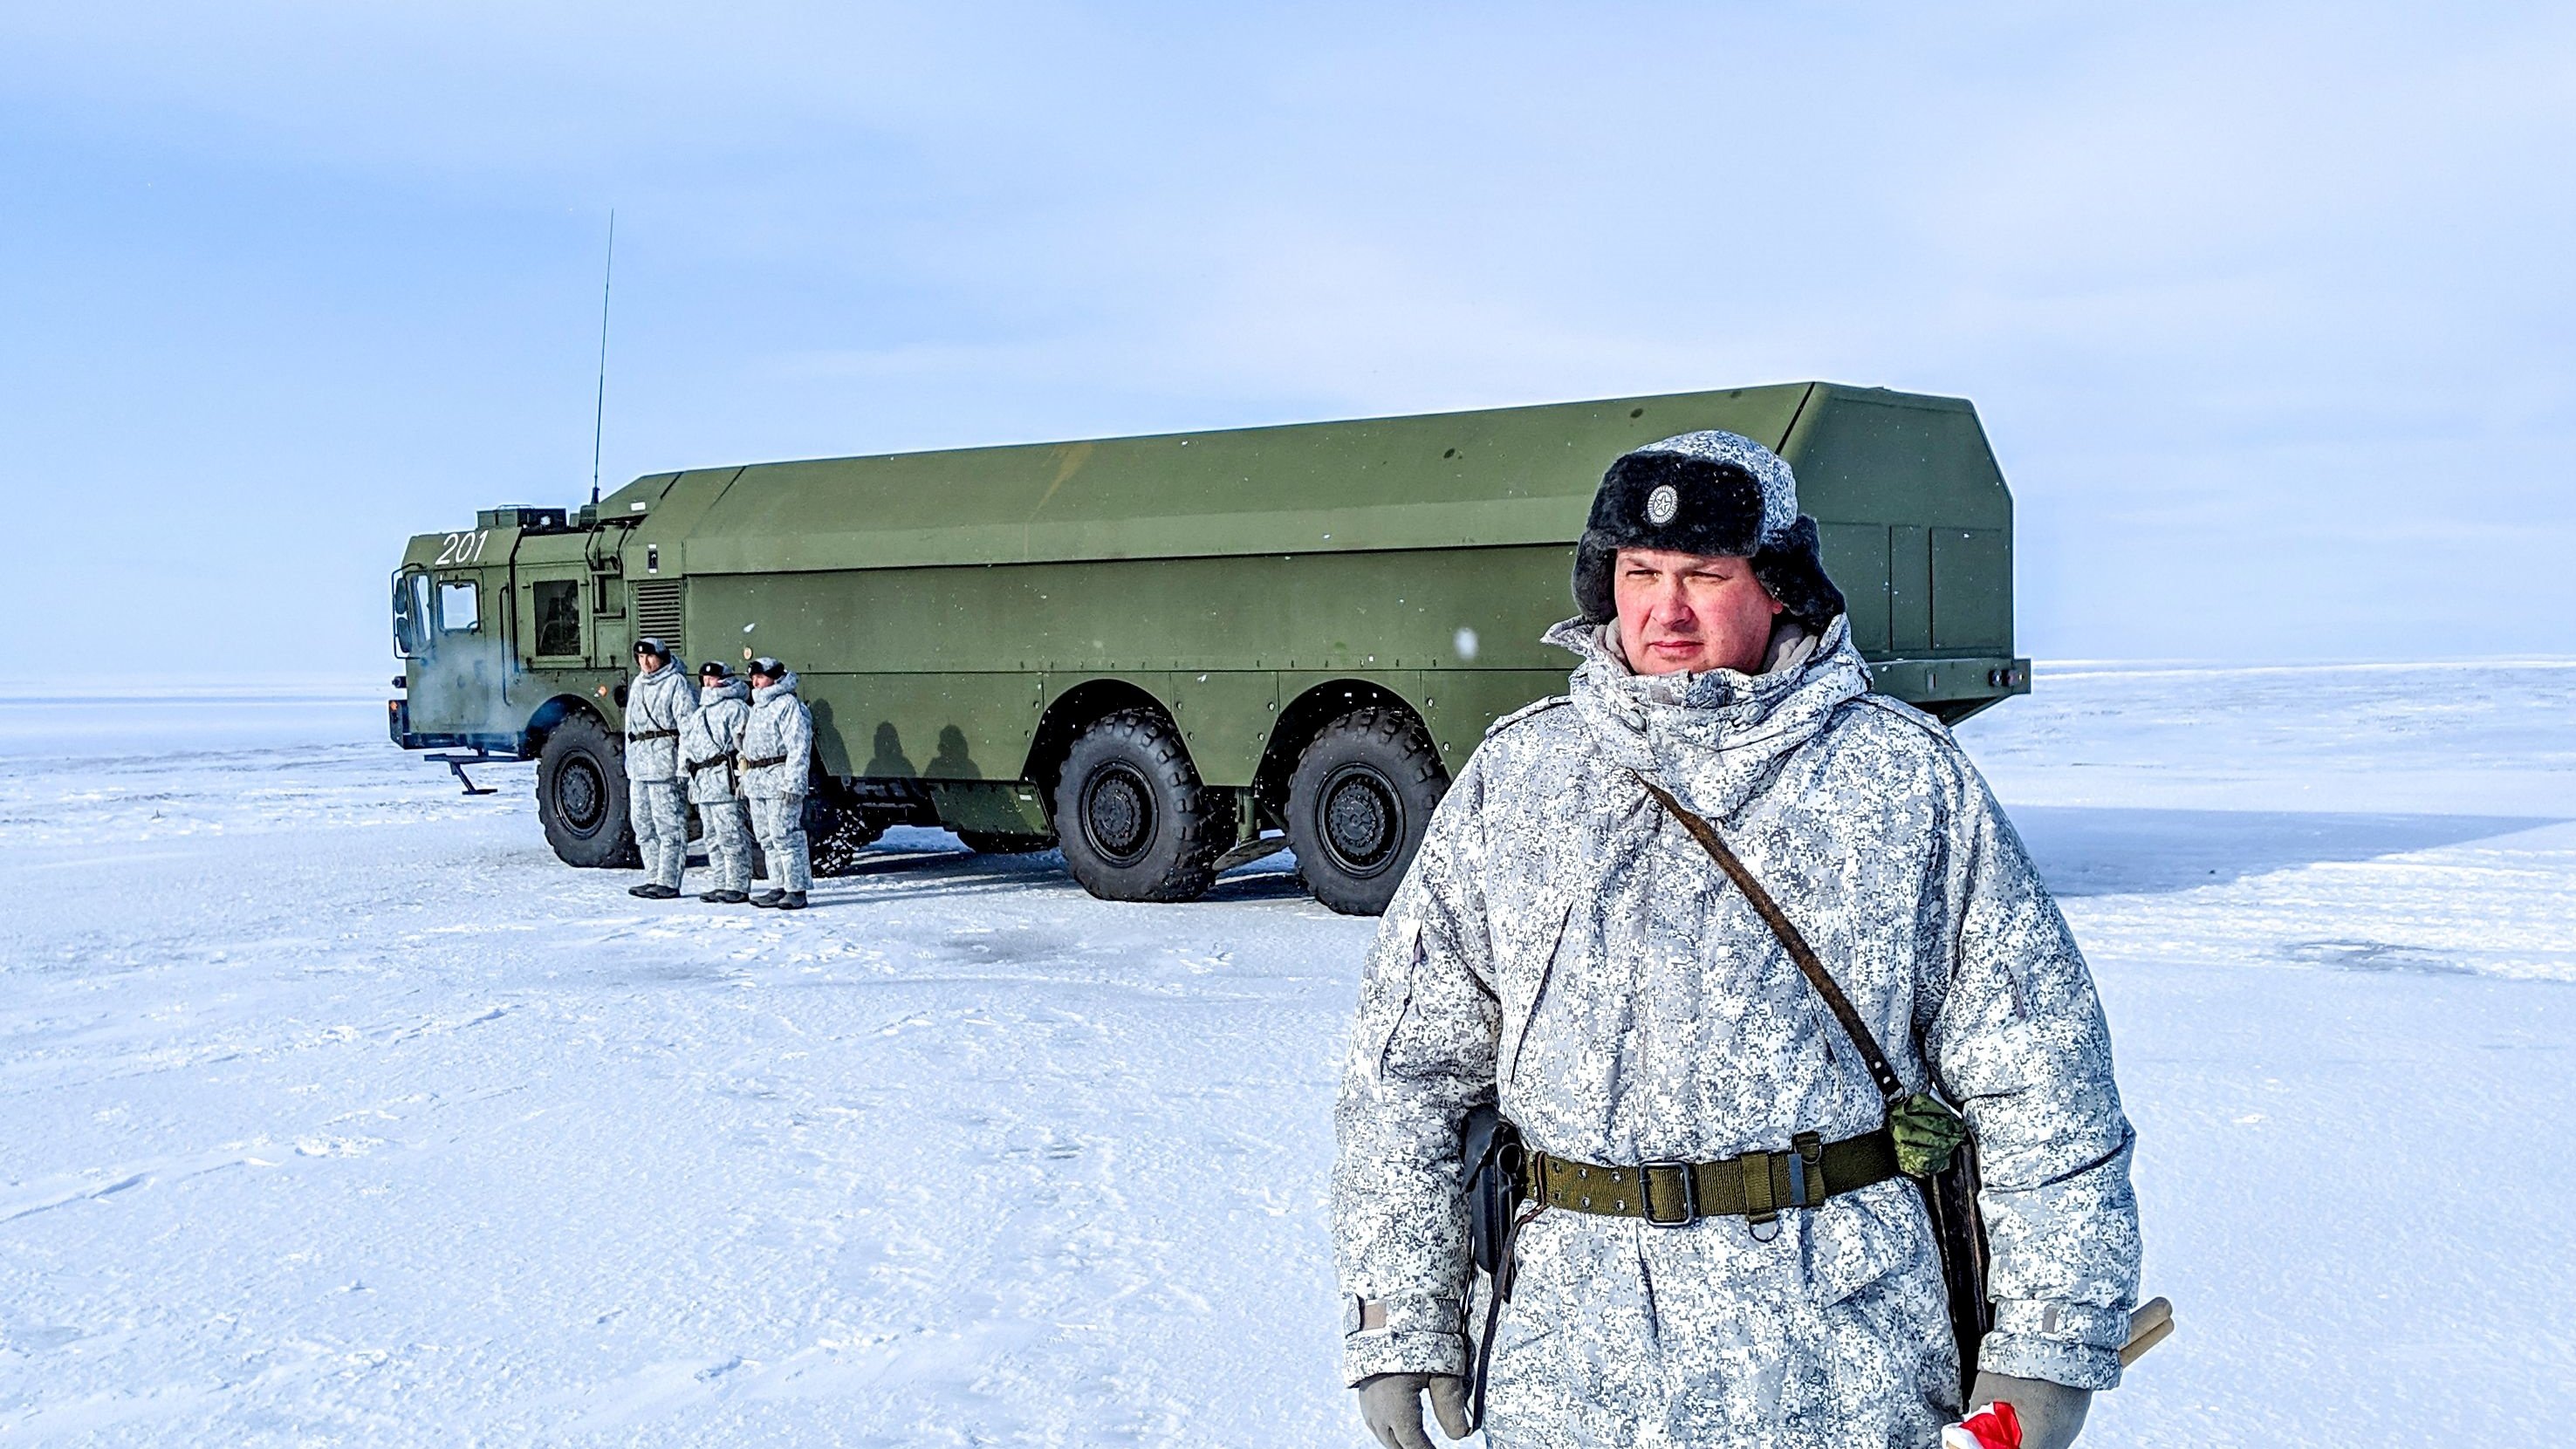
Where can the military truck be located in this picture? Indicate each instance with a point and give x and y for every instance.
(1165, 656)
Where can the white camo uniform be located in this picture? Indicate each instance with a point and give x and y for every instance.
(708, 744)
(657, 705)
(1562, 941)
(780, 729)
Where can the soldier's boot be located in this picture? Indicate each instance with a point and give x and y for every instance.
(767, 899)
(791, 901)
(653, 890)
(725, 898)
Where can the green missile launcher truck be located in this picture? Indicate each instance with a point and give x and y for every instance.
(1165, 656)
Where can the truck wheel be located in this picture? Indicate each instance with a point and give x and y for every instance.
(1358, 803)
(834, 834)
(988, 842)
(581, 796)
(1133, 820)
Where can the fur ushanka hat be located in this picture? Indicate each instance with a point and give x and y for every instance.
(1706, 493)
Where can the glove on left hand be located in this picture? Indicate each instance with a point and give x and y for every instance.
(1391, 1406)
(2051, 1414)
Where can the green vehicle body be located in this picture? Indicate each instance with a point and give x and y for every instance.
(959, 618)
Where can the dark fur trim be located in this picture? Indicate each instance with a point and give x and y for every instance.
(1718, 506)
(1793, 569)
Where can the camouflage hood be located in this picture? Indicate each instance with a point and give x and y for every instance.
(1710, 738)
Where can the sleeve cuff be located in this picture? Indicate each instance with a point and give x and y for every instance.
(1395, 1351)
(2077, 1366)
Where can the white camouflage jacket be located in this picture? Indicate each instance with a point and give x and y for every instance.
(780, 729)
(1563, 943)
(657, 704)
(711, 738)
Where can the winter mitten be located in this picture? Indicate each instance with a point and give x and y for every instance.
(1391, 1406)
(2035, 1413)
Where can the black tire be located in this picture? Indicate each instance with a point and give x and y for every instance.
(991, 842)
(581, 796)
(1132, 818)
(1360, 798)
(834, 832)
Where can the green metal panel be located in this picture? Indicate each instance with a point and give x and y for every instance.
(1225, 715)
(1511, 475)
(1856, 560)
(1972, 589)
(1909, 589)
(954, 725)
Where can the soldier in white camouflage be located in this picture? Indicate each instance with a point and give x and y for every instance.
(777, 756)
(658, 702)
(710, 755)
(1564, 948)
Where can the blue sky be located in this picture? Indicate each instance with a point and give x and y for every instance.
(2268, 310)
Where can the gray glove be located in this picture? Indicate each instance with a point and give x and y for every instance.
(2050, 1413)
(1391, 1406)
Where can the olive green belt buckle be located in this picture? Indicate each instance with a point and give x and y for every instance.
(1681, 1172)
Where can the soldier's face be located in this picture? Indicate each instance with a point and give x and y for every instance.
(1688, 611)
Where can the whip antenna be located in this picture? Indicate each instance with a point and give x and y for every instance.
(599, 405)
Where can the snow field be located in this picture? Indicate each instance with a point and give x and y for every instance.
(338, 1112)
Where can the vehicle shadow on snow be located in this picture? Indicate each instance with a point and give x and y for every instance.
(2092, 851)
(937, 872)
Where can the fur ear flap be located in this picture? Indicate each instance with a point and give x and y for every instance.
(1594, 595)
(1793, 569)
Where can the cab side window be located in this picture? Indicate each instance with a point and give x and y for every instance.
(457, 606)
(410, 606)
(558, 616)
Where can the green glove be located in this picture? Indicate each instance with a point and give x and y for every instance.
(1927, 1132)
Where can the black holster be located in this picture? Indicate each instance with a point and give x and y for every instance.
(1491, 1157)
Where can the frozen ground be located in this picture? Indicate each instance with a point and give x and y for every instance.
(332, 1110)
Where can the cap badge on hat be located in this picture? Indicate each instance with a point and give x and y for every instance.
(1662, 504)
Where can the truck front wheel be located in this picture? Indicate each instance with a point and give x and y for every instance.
(836, 830)
(1362, 795)
(1132, 817)
(581, 796)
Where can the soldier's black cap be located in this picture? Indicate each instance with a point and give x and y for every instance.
(765, 665)
(714, 669)
(650, 645)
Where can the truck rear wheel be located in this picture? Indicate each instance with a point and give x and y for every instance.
(1360, 798)
(1132, 817)
(581, 796)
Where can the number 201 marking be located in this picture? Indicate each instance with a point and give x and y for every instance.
(462, 548)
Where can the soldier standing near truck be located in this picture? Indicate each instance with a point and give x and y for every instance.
(1721, 1246)
(658, 702)
(777, 750)
(711, 751)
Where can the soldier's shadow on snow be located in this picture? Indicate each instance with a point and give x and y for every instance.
(2088, 851)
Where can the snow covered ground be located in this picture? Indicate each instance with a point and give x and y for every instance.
(337, 1112)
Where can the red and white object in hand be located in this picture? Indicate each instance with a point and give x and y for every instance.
(1995, 1426)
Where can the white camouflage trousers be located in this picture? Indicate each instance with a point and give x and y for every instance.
(725, 826)
(779, 821)
(661, 816)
